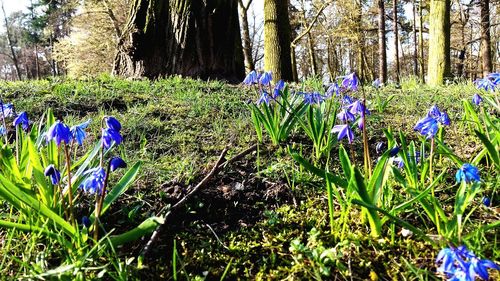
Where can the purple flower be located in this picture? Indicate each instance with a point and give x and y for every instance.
(380, 147)
(265, 78)
(347, 100)
(427, 126)
(53, 174)
(8, 109)
(343, 131)
(3, 131)
(95, 181)
(358, 107)
(486, 201)
(495, 77)
(278, 88)
(444, 119)
(350, 82)
(110, 136)
(22, 119)
(117, 162)
(86, 222)
(59, 132)
(477, 99)
(313, 98)
(346, 116)
(333, 88)
(468, 173)
(251, 78)
(377, 83)
(78, 131)
(112, 123)
(264, 98)
(486, 84)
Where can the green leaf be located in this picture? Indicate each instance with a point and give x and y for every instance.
(146, 227)
(317, 171)
(494, 154)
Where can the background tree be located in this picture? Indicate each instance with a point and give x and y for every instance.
(277, 58)
(439, 41)
(485, 37)
(243, 8)
(382, 59)
(191, 38)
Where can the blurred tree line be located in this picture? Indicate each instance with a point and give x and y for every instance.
(431, 40)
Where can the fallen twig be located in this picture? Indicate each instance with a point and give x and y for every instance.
(216, 168)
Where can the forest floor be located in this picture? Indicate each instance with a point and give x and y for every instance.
(262, 216)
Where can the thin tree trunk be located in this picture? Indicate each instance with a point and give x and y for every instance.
(382, 49)
(112, 18)
(421, 40)
(245, 33)
(396, 40)
(415, 43)
(485, 37)
(439, 42)
(9, 40)
(277, 51)
(312, 56)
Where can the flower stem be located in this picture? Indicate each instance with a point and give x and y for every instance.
(4, 125)
(99, 202)
(70, 189)
(366, 150)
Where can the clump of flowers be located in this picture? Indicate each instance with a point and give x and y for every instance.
(458, 263)
(467, 173)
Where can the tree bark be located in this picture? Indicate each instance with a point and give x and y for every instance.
(439, 42)
(382, 49)
(485, 37)
(396, 40)
(245, 30)
(415, 43)
(192, 38)
(312, 56)
(277, 51)
(421, 41)
(9, 40)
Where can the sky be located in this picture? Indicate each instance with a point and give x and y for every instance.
(15, 5)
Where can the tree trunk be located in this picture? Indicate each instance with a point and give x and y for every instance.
(421, 41)
(277, 51)
(312, 56)
(245, 30)
(382, 50)
(192, 38)
(9, 41)
(485, 37)
(439, 42)
(396, 40)
(415, 43)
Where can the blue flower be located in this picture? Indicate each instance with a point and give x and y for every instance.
(477, 99)
(480, 268)
(377, 83)
(346, 116)
(468, 173)
(8, 109)
(53, 173)
(86, 222)
(22, 119)
(357, 107)
(347, 100)
(3, 131)
(444, 119)
(380, 147)
(95, 181)
(78, 131)
(434, 112)
(59, 132)
(486, 84)
(427, 126)
(394, 151)
(399, 162)
(487, 201)
(251, 78)
(351, 82)
(343, 131)
(278, 88)
(265, 78)
(313, 98)
(333, 88)
(117, 162)
(447, 259)
(114, 124)
(495, 77)
(110, 136)
(264, 98)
